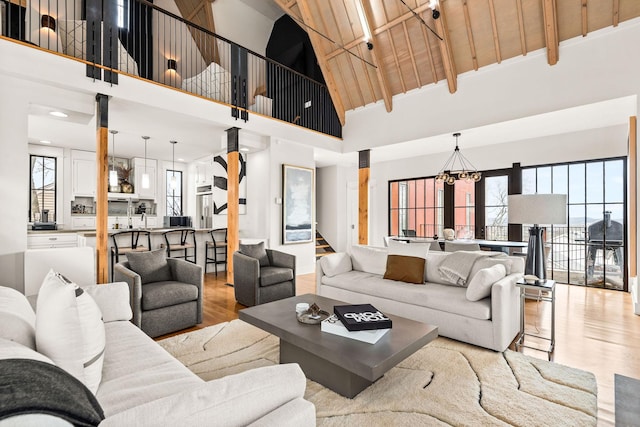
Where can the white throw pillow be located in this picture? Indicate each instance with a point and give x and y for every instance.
(17, 319)
(69, 329)
(335, 264)
(419, 250)
(14, 350)
(113, 300)
(432, 267)
(369, 259)
(490, 261)
(480, 285)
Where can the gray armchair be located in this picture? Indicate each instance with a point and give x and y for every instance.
(258, 281)
(166, 293)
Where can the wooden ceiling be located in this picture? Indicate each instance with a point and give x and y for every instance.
(469, 34)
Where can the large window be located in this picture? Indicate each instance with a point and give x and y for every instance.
(464, 209)
(42, 194)
(495, 207)
(174, 192)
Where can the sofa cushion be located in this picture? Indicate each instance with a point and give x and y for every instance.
(480, 285)
(434, 259)
(446, 298)
(69, 329)
(256, 251)
(164, 294)
(152, 266)
(336, 263)
(14, 350)
(369, 259)
(17, 319)
(416, 249)
(409, 269)
(487, 262)
(113, 300)
(272, 275)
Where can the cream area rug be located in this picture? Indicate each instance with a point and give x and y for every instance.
(444, 383)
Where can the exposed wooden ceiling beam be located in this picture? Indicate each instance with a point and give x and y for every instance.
(585, 23)
(411, 55)
(616, 12)
(523, 38)
(316, 42)
(446, 52)
(204, 11)
(494, 27)
(550, 16)
(472, 44)
(194, 12)
(382, 79)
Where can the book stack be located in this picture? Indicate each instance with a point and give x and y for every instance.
(361, 322)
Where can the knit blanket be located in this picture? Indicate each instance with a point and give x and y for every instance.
(456, 267)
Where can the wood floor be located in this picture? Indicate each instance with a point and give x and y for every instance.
(596, 330)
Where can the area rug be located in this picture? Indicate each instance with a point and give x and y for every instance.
(444, 383)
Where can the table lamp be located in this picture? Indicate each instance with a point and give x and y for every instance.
(537, 209)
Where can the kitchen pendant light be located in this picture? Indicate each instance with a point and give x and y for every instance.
(113, 174)
(458, 167)
(145, 175)
(173, 181)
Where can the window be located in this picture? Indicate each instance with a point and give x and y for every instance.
(495, 207)
(174, 195)
(122, 13)
(464, 209)
(416, 207)
(42, 194)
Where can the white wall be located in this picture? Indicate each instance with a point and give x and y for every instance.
(331, 206)
(242, 24)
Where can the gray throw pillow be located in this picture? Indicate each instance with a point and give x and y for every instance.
(152, 266)
(256, 251)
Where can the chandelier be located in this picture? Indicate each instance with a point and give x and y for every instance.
(458, 167)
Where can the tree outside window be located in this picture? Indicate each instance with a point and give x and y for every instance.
(42, 194)
(174, 194)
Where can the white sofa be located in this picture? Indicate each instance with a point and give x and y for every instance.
(491, 322)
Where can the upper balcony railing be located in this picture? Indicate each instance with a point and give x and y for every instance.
(141, 39)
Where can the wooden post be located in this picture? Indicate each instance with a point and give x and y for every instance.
(363, 196)
(102, 168)
(633, 196)
(233, 202)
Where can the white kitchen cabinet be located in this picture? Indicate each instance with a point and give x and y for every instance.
(83, 222)
(204, 171)
(139, 169)
(52, 240)
(84, 171)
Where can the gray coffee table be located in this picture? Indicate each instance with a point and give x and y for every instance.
(344, 365)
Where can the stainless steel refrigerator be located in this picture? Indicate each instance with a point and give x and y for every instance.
(204, 206)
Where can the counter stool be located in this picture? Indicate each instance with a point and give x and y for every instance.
(183, 244)
(216, 252)
(127, 241)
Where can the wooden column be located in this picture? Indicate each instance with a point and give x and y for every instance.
(102, 168)
(633, 196)
(233, 205)
(364, 162)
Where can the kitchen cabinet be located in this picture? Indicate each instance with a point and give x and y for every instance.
(52, 240)
(139, 169)
(204, 171)
(84, 172)
(83, 222)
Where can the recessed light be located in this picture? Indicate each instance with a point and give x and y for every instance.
(44, 141)
(245, 149)
(181, 160)
(58, 114)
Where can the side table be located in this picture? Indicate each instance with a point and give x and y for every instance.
(548, 286)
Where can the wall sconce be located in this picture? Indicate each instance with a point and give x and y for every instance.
(172, 64)
(48, 22)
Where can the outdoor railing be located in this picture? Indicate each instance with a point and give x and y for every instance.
(147, 41)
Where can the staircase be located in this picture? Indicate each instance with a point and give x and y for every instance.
(322, 247)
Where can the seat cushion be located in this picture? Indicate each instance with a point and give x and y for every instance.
(163, 294)
(272, 275)
(152, 266)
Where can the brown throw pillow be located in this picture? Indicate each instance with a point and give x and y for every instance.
(408, 269)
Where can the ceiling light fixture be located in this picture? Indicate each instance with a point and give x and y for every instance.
(458, 167)
(113, 174)
(245, 149)
(433, 4)
(173, 182)
(48, 21)
(145, 175)
(44, 141)
(365, 25)
(58, 114)
(435, 15)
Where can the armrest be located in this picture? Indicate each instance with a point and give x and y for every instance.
(121, 273)
(113, 300)
(186, 272)
(319, 274)
(505, 310)
(282, 259)
(234, 400)
(245, 268)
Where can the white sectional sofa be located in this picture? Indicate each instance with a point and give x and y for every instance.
(490, 322)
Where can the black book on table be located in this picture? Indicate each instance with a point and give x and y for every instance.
(361, 317)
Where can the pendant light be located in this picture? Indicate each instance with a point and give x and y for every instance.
(145, 175)
(113, 174)
(458, 167)
(173, 181)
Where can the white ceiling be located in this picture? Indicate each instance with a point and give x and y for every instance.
(266, 7)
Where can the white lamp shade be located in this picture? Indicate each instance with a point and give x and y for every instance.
(537, 208)
(145, 180)
(113, 178)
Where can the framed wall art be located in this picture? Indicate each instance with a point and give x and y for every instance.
(297, 204)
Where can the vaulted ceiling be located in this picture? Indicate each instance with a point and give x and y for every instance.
(411, 49)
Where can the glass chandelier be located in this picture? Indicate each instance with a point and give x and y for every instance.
(458, 167)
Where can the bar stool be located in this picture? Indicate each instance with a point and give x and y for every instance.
(183, 245)
(131, 238)
(216, 248)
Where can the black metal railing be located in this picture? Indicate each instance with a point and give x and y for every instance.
(144, 40)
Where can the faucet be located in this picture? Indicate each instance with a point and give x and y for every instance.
(143, 216)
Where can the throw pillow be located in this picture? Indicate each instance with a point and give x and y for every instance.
(408, 269)
(480, 285)
(17, 319)
(335, 264)
(69, 329)
(256, 251)
(420, 250)
(113, 300)
(152, 266)
(434, 259)
(14, 350)
(490, 261)
(369, 259)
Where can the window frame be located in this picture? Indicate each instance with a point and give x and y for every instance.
(170, 192)
(31, 218)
